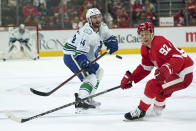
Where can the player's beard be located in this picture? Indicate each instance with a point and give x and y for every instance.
(96, 25)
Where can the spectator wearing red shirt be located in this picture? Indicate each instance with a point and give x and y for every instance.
(179, 18)
(123, 18)
(191, 6)
(82, 11)
(150, 16)
(123, 22)
(137, 10)
(30, 13)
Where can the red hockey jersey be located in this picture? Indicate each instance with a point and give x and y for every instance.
(162, 52)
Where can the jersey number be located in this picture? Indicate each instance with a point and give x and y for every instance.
(74, 38)
(164, 50)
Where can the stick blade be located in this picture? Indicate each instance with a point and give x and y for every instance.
(39, 92)
(119, 57)
(13, 117)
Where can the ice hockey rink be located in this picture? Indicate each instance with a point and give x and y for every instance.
(18, 76)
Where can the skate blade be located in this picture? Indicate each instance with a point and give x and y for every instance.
(85, 111)
(140, 119)
(152, 113)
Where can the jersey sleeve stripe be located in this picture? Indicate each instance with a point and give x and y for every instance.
(147, 100)
(179, 56)
(186, 71)
(157, 103)
(68, 46)
(148, 68)
(171, 83)
(81, 52)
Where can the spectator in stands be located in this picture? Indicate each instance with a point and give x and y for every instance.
(137, 11)
(72, 11)
(191, 6)
(50, 5)
(123, 18)
(123, 22)
(148, 4)
(43, 22)
(108, 19)
(193, 17)
(154, 2)
(95, 4)
(42, 10)
(67, 23)
(117, 6)
(124, 13)
(114, 23)
(50, 22)
(179, 18)
(76, 24)
(8, 13)
(59, 12)
(30, 14)
(82, 12)
(37, 3)
(149, 16)
(11, 3)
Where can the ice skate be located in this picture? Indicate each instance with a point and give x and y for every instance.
(157, 110)
(93, 102)
(82, 106)
(36, 58)
(135, 115)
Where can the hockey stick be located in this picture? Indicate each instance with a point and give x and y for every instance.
(119, 57)
(50, 92)
(22, 120)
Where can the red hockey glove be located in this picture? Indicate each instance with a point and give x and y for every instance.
(126, 82)
(162, 73)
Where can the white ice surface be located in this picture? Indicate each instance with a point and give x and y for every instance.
(18, 76)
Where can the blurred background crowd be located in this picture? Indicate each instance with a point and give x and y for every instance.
(70, 14)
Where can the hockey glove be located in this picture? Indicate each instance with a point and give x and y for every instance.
(85, 63)
(12, 40)
(126, 82)
(20, 40)
(162, 73)
(111, 44)
(25, 41)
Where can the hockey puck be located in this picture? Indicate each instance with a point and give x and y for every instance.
(119, 57)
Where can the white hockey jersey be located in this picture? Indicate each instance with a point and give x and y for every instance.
(16, 34)
(87, 42)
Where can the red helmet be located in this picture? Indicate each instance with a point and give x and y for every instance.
(145, 26)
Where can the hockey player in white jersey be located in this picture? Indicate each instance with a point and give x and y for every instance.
(19, 39)
(83, 48)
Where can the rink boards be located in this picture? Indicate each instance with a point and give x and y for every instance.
(51, 41)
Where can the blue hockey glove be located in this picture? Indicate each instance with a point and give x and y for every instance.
(85, 63)
(12, 40)
(25, 41)
(111, 44)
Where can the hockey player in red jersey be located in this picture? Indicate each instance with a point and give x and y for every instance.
(174, 71)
